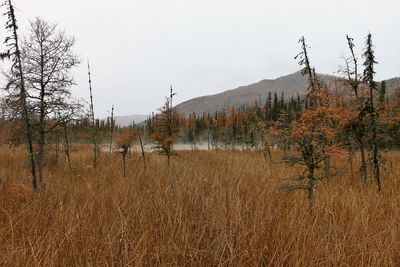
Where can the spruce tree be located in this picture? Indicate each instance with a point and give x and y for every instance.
(369, 74)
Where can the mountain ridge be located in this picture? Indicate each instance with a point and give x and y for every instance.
(294, 83)
(290, 84)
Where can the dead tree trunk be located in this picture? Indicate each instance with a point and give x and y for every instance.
(310, 185)
(57, 158)
(111, 128)
(12, 24)
(363, 167)
(66, 148)
(142, 149)
(42, 132)
(124, 152)
(93, 128)
(350, 158)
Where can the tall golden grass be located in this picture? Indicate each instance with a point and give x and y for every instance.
(207, 209)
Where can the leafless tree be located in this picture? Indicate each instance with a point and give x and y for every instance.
(142, 150)
(47, 59)
(112, 121)
(358, 127)
(93, 128)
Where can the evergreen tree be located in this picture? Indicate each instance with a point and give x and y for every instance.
(166, 128)
(369, 74)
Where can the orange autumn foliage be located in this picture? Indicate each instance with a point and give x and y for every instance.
(322, 123)
(125, 138)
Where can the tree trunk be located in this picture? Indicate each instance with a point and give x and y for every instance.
(42, 124)
(66, 149)
(363, 168)
(351, 156)
(94, 127)
(208, 139)
(124, 160)
(42, 132)
(23, 95)
(57, 148)
(111, 128)
(285, 156)
(41, 160)
(375, 148)
(376, 169)
(310, 186)
(31, 153)
(142, 149)
(327, 167)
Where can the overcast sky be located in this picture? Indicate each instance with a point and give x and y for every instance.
(138, 48)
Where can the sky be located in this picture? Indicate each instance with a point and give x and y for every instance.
(139, 48)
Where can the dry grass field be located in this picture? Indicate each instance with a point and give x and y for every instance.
(220, 208)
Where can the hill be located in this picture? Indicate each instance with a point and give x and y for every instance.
(247, 95)
(124, 121)
(392, 84)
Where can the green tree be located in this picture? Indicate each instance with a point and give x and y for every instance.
(369, 74)
(166, 128)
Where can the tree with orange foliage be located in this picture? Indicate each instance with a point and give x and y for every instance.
(313, 135)
(232, 124)
(124, 142)
(166, 128)
(390, 117)
(315, 131)
(221, 130)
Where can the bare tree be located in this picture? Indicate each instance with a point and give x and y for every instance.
(93, 127)
(358, 126)
(142, 149)
(111, 128)
(47, 59)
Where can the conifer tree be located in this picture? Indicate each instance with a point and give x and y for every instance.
(357, 127)
(314, 131)
(369, 74)
(167, 128)
(17, 78)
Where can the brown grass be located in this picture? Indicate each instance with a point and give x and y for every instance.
(208, 209)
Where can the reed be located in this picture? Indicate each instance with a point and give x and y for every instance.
(214, 208)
